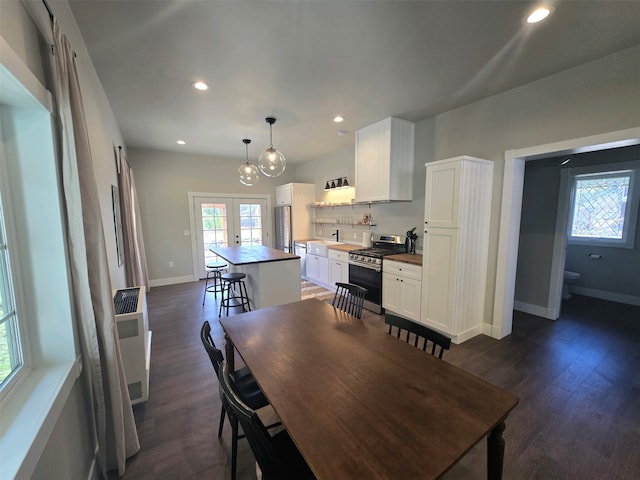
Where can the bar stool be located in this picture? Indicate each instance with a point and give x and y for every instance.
(238, 298)
(214, 270)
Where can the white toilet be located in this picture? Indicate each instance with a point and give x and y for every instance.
(569, 279)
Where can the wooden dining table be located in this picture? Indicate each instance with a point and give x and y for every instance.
(360, 403)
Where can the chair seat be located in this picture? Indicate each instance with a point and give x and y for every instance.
(248, 389)
(233, 276)
(217, 265)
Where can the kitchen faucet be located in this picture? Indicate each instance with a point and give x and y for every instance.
(336, 234)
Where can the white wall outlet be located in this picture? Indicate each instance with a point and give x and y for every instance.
(320, 232)
(355, 235)
(187, 233)
(170, 263)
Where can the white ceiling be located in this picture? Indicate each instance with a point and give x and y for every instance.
(306, 61)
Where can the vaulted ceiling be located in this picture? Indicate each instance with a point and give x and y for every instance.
(305, 62)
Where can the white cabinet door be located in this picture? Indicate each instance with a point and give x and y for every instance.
(411, 298)
(391, 293)
(401, 295)
(439, 263)
(323, 270)
(442, 195)
(313, 267)
(284, 194)
(335, 272)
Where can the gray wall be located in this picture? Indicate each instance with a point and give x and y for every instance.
(619, 269)
(163, 180)
(601, 96)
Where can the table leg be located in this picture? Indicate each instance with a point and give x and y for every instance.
(229, 353)
(495, 452)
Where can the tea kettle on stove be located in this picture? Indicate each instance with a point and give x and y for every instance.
(410, 241)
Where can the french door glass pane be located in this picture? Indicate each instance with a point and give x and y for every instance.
(250, 224)
(214, 228)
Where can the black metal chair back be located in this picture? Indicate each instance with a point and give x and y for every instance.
(349, 298)
(277, 456)
(423, 334)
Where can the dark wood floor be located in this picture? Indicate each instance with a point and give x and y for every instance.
(578, 380)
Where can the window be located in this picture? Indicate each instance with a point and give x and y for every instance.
(10, 345)
(604, 209)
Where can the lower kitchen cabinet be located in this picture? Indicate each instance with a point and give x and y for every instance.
(318, 269)
(338, 267)
(402, 289)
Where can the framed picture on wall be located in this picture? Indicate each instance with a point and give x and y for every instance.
(117, 221)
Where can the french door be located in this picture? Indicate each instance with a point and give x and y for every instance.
(223, 221)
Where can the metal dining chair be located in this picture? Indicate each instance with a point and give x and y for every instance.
(423, 334)
(277, 456)
(245, 385)
(349, 298)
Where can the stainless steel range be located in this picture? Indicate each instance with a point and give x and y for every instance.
(365, 267)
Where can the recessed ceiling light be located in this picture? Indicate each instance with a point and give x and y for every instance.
(338, 119)
(538, 15)
(200, 86)
(181, 142)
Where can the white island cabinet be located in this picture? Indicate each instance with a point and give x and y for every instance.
(273, 276)
(456, 245)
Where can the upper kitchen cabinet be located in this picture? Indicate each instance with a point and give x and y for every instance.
(384, 161)
(295, 193)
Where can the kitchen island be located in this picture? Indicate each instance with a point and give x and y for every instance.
(273, 276)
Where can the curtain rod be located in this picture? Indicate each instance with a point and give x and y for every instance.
(46, 5)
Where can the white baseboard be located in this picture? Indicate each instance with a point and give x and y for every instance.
(467, 334)
(604, 295)
(536, 310)
(171, 281)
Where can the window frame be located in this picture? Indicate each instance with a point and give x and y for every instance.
(631, 208)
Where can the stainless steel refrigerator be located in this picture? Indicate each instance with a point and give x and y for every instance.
(284, 228)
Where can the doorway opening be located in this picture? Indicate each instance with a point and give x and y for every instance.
(511, 212)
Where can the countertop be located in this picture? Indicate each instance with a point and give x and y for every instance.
(344, 247)
(245, 255)
(410, 258)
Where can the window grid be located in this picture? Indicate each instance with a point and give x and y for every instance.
(250, 224)
(10, 351)
(600, 204)
(214, 228)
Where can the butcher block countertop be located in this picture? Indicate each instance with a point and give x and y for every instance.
(245, 255)
(344, 247)
(413, 259)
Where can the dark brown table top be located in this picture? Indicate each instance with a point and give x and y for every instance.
(359, 403)
(244, 255)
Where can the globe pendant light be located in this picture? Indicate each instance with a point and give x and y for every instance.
(271, 162)
(248, 172)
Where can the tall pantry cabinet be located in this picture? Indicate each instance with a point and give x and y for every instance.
(456, 245)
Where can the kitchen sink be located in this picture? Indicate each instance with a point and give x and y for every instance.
(319, 247)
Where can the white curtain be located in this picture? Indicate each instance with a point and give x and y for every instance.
(135, 260)
(93, 304)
